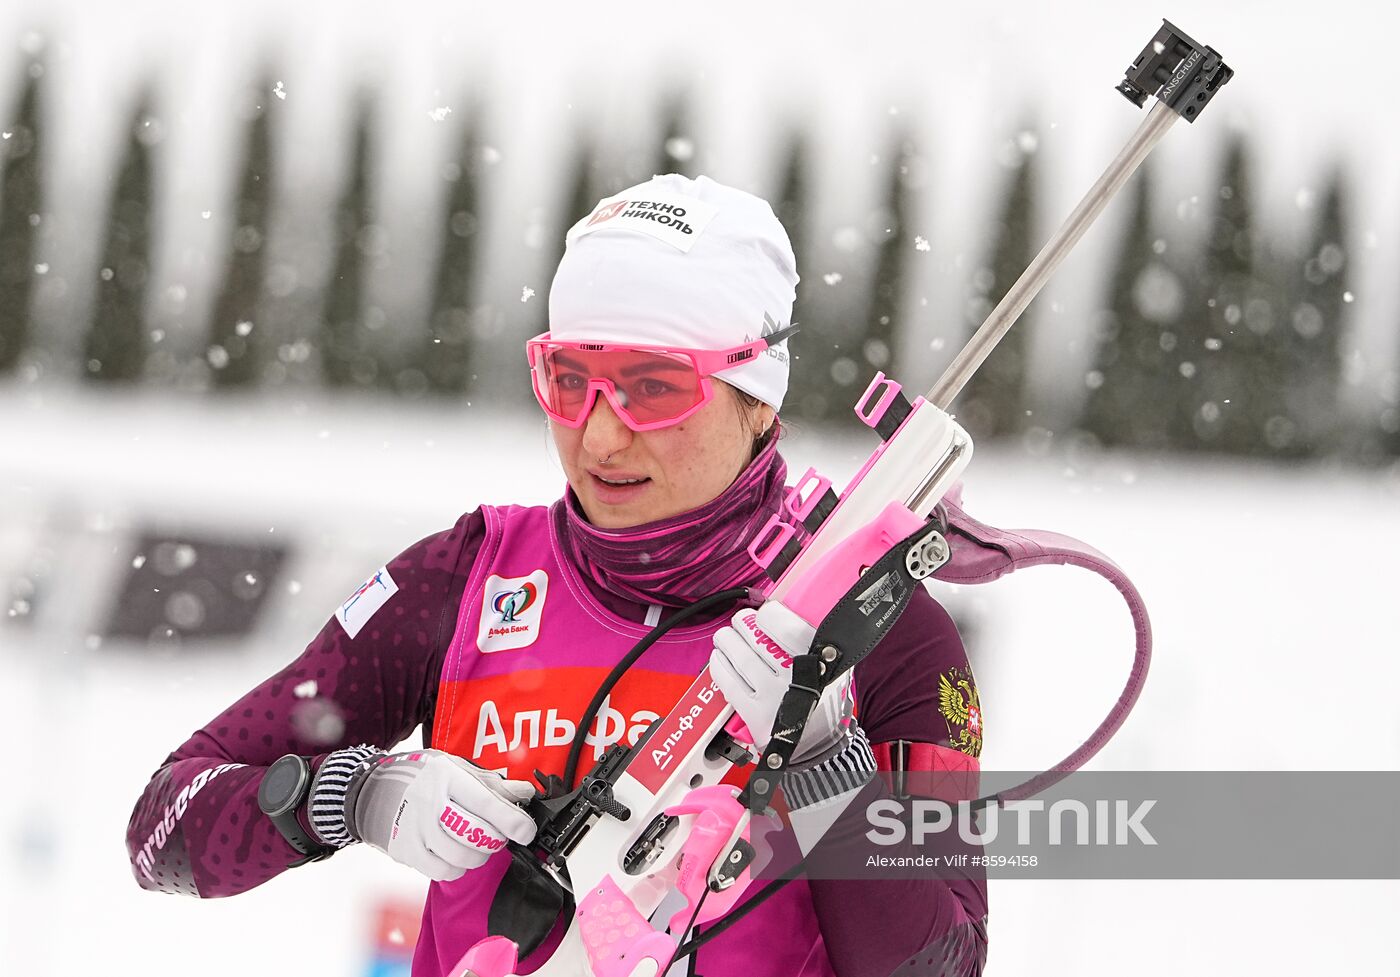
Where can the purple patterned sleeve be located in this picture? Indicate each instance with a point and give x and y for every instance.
(875, 928)
(197, 829)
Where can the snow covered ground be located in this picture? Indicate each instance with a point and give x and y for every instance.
(1271, 592)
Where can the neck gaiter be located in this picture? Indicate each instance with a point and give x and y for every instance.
(678, 560)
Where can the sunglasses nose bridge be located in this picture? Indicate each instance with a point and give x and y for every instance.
(615, 398)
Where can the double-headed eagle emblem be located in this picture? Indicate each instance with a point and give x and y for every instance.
(962, 710)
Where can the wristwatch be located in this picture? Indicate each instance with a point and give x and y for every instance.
(283, 790)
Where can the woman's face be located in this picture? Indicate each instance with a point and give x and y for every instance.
(626, 478)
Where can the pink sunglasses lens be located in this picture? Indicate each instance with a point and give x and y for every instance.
(651, 387)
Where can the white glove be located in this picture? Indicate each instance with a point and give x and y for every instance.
(436, 812)
(752, 665)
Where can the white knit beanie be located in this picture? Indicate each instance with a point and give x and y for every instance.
(680, 262)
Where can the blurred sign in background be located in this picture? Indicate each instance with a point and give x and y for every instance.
(265, 275)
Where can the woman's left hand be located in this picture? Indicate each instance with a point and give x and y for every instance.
(752, 665)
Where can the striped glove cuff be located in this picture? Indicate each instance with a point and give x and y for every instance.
(850, 767)
(327, 807)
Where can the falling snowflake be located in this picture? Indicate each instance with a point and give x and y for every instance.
(205, 214)
(440, 113)
(679, 148)
(847, 239)
(6, 135)
(306, 690)
(1027, 142)
(279, 91)
(1348, 297)
(138, 561)
(318, 720)
(1307, 321)
(490, 155)
(832, 278)
(243, 328)
(218, 357)
(526, 293)
(920, 243)
(1331, 258)
(844, 371)
(42, 268)
(1158, 293)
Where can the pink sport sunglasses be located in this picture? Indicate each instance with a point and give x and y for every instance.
(648, 387)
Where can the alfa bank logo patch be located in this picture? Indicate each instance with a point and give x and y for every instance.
(373, 594)
(511, 608)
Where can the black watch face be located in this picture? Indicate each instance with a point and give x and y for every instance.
(281, 784)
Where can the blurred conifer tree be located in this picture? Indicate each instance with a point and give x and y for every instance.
(993, 404)
(810, 395)
(235, 328)
(446, 357)
(676, 151)
(20, 202)
(585, 190)
(879, 343)
(1226, 328)
(1312, 332)
(115, 346)
(347, 359)
(1134, 380)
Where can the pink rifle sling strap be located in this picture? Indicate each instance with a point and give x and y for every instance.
(982, 553)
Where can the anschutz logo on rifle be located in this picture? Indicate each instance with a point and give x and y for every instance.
(1181, 74)
(882, 592)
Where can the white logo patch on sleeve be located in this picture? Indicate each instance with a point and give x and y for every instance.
(360, 606)
(510, 611)
(674, 219)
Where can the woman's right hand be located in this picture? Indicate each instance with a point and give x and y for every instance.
(435, 812)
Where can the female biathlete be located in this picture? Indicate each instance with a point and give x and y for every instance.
(493, 635)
